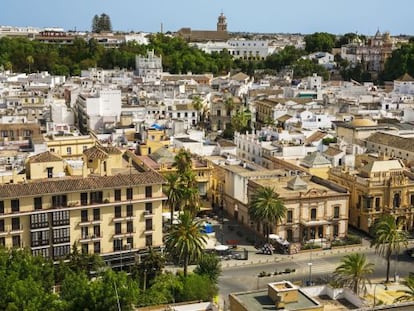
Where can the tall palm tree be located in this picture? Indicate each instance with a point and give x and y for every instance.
(182, 161)
(354, 272)
(198, 105)
(266, 207)
(389, 238)
(185, 240)
(407, 294)
(174, 191)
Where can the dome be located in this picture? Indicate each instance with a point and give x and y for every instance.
(362, 123)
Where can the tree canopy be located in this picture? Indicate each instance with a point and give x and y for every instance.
(101, 23)
(320, 42)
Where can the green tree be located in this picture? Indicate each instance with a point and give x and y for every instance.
(150, 267)
(407, 294)
(197, 103)
(319, 42)
(209, 265)
(197, 288)
(240, 121)
(354, 272)
(174, 191)
(267, 208)
(306, 67)
(101, 23)
(30, 61)
(389, 237)
(185, 240)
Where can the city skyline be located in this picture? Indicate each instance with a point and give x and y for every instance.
(266, 16)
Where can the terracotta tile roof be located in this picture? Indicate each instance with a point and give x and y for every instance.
(98, 152)
(70, 184)
(331, 151)
(403, 143)
(45, 157)
(317, 136)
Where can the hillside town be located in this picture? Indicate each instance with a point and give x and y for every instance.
(88, 161)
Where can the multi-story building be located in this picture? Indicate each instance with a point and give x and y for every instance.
(149, 68)
(377, 187)
(68, 145)
(115, 213)
(317, 209)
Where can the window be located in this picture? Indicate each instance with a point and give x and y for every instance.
(130, 242)
(289, 235)
(85, 248)
(59, 200)
(118, 211)
(84, 232)
(40, 238)
(97, 231)
(148, 224)
(118, 228)
(289, 216)
(96, 214)
(61, 251)
(16, 241)
(129, 193)
(96, 197)
(69, 150)
(117, 194)
(84, 215)
(148, 208)
(1, 207)
(378, 202)
(148, 240)
(37, 202)
(117, 245)
(39, 221)
(97, 247)
(84, 198)
(313, 214)
(335, 230)
(130, 227)
(61, 235)
(129, 210)
(2, 241)
(15, 205)
(49, 172)
(1, 225)
(148, 191)
(336, 212)
(15, 223)
(60, 218)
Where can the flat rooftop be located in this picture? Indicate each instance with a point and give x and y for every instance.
(259, 300)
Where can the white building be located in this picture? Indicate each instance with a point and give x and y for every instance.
(150, 67)
(60, 113)
(324, 59)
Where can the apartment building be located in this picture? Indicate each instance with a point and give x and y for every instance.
(377, 187)
(112, 213)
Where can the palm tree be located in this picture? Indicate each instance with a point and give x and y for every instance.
(29, 61)
(174, 191)
(182, 161)
(389, 238)
(185, 240)
(266, 207)
(229, 105)
(354, 272)
(198, 105)
(407, 294)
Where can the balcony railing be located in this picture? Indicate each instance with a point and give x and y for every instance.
(90, 237)
(90, 221)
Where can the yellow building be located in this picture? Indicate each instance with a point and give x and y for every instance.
(317, 210)
(116, 216)
(153, 140)
(69, 147)
(377, 187)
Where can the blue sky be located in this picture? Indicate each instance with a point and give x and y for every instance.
(300, 16)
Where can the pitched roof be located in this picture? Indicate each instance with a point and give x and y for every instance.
(316, 136)
(162, 155)
(76, 184)
(284, 118)
(406, 77)
(382, 166)
(98, 152)
(315, 159)
(225, 143)
(331, 151)
(394, 141)
(46, 156)
(297, 183)
(240, 76)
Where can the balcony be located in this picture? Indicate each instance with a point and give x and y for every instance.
(149, 230)
(120, 218)
(90, 221)
(123, 234)
(16, 229)
(148, 214)
(90, 238)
